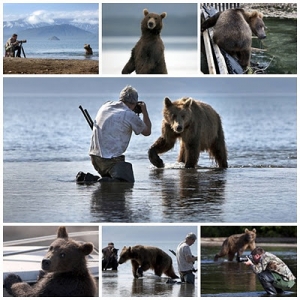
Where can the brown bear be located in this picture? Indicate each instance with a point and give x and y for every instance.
(147, 56)
(233, 30)
(144, 258)
(65, 272)
(88, 49)
(199, 128)
(237, 243)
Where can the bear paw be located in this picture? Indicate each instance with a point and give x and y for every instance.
(10, 280)
(155, 159)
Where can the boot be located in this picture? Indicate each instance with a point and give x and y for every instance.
(266, 279)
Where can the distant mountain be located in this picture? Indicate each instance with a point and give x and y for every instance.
(60, 31)
(10, 27)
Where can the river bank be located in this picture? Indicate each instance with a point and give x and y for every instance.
(16, 65)
(274, 10)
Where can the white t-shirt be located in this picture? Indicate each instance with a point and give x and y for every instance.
(112, 129)
(182, 252)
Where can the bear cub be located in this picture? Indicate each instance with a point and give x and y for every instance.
(64, 272)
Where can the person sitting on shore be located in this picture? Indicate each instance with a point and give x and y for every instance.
(12, 45)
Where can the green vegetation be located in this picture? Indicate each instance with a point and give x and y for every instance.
(263, 231)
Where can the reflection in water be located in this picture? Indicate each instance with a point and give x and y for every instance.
(109, 201)
(196, 190)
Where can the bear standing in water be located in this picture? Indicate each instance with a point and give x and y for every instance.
(199, 128)
(233, 30)
(147, 56)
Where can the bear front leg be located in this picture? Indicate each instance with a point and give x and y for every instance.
(15, 287)
(244, 58)
(130, 66)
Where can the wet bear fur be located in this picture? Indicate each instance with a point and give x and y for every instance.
(233, 29)
(198, 127)
(65, 272)
(147, 56)
(144, 258)
(237, 243)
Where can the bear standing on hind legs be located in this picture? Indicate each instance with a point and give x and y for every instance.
(198, 127)
(147, 56)
(233, 30)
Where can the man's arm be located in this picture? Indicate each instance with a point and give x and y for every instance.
(146, 120)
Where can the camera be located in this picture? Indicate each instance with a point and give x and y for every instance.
(22, 41)
(244, 259)
(138, 109)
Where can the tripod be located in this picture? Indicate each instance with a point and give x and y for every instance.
(21, 49)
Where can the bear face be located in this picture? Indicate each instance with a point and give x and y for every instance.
(152, 22)
(178, 115)
(125, 255)
(257, 24)
(66, 255)
(250, 235)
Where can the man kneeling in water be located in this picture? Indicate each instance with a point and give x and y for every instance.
(112, 131)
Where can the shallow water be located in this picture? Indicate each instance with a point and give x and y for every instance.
(232, 279)
(46, 142)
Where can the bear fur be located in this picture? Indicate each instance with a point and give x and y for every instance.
(233, 29)
(144, 258)
(199, 128)
(237, 243)
(88, 49)
(147, 56)
(64, 272)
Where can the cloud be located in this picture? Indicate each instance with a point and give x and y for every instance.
(43, 16)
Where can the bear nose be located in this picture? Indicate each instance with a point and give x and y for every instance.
(46, 263)
(150, 24)
(179, 128)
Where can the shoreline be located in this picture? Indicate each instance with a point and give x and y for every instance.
(17, 65)
(283, 242)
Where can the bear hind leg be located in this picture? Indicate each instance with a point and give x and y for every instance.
(218, 150)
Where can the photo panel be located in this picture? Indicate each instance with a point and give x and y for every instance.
(50, 261)
(248, 261)
(143, 261)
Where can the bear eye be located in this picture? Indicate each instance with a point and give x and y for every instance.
(182, 116)
(50, 248)
(62, 255)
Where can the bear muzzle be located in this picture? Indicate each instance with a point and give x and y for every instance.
(46, 264)
(151, 23)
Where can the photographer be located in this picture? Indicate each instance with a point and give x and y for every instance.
(273, 274)
(185, 259)
(112, 131)
(12, 45)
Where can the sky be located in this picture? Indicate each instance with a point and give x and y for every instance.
(46, 12)
(205, 85)
(147, 235)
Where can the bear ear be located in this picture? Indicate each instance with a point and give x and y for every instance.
(254, 230)
(246, 230)
(188, 102)
(168, 102)
(62, 232)
(146, 12)
(163, 15)
(86, 248)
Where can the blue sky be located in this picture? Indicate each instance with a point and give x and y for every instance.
(49, 11)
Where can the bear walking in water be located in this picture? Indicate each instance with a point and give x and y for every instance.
(65, 272)
(237, 243)
(233, 30)
(147, 56)
(144, 258)
(199, 128)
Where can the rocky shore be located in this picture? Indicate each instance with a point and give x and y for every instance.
(275, 10)
(17, 65)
